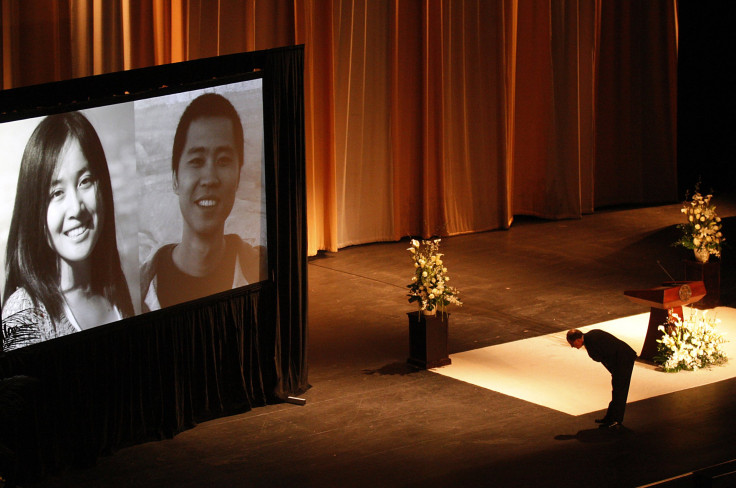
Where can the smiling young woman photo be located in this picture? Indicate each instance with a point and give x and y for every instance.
(63, 271)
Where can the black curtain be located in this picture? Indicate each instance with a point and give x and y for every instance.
(285, 68)
(143, 379)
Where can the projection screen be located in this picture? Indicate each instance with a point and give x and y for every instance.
(183, 217)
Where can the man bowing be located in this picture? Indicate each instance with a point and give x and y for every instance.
(618, 358)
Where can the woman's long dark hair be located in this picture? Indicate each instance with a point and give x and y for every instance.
(31, 263)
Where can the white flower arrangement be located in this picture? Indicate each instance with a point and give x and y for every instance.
(690, 344)
(702, 229)
(429, 285)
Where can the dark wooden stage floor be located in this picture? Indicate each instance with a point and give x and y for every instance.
(370, 420)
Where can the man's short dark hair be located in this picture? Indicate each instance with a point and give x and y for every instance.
(573, 335)
(207, 105)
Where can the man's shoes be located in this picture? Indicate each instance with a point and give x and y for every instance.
(611, 426)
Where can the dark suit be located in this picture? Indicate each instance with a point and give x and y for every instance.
(618, 358)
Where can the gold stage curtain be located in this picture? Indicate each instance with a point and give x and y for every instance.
(423, 117)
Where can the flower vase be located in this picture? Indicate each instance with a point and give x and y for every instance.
(701, 254)
(429, 313)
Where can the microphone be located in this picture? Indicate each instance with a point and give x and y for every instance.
(660, 265)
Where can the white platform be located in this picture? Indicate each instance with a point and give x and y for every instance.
(545, 370)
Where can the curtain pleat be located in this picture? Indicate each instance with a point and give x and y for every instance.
(137, 22)
(314, 30)
(406, 115)
(285, 71)
(508, 47)
(422, 117)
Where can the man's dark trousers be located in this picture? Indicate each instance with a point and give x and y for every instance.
(618, 358)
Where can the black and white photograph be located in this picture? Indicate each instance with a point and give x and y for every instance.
(202, 195)
(68, 220)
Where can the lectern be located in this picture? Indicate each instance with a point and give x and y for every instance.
(663, 299)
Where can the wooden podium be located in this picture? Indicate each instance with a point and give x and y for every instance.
(664, 299)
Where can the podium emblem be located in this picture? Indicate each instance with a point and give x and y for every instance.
(685, 292)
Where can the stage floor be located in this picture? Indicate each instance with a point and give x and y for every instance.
(545, 370)
(371, 420)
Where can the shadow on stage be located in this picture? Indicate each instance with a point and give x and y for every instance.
(400, 368)
(596, 436)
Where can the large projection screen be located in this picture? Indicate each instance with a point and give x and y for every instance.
(182, 231)
(157, 373)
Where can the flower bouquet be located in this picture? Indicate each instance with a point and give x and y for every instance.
(429, 285)
(702, 230)
(690, 344)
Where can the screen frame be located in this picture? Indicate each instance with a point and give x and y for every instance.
(146, 83)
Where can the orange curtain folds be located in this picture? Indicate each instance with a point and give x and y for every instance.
(314, 29)
(636, 104)
(423, 117)
(418, 128)
(555, 122)
(36, 42)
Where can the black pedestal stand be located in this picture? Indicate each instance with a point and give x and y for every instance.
(428, 340)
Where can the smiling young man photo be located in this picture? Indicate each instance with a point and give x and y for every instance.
(207, 157)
